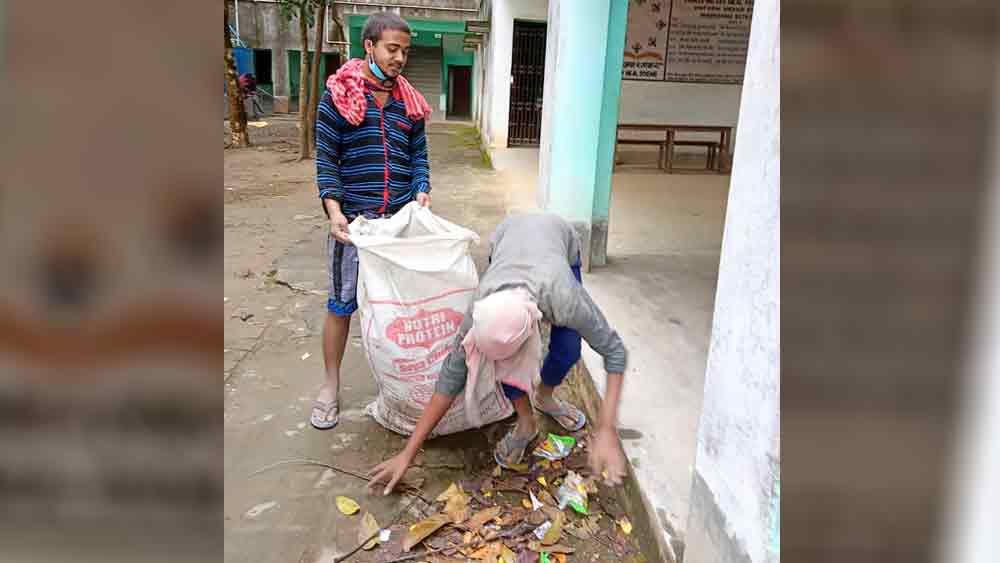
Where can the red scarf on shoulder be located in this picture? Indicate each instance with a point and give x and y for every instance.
(347, 88)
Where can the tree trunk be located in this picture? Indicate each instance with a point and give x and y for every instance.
(304, 151)
(237, 111)
(314, 96)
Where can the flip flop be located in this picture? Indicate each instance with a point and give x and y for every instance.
(511, 445)
(321, 411)
(566, 410)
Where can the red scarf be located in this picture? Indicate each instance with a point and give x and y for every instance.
(347, 88)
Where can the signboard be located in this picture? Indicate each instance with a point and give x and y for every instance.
(687, 40)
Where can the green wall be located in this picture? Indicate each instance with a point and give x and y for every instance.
(424, 36)
(293, 71)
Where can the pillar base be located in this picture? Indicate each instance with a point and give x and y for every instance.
(281, 104)
(593, 243)
(583, 233)
(599, 244)
(707, 540)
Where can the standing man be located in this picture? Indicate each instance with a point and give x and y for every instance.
(371, 160)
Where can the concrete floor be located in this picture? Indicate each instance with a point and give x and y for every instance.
(657, 290)
(275, 230)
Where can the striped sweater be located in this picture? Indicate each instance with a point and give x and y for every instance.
(379, 165)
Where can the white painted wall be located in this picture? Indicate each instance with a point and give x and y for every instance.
(549, 93)
(738, 434)
(641, 102)
(679, 103)
(498, 76)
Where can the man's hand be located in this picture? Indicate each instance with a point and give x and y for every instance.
(338, 227)
(390, 471)
(606, 457)
(423, 199)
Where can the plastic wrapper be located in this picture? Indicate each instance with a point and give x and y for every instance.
(555, 447)
(573, 493)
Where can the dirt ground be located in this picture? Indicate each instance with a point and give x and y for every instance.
(277, 510)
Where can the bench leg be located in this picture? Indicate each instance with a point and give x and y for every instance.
(670, 152)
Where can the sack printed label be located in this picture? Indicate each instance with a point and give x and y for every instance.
(425, 328)
(405, 366)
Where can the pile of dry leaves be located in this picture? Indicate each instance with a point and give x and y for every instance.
(545, 511)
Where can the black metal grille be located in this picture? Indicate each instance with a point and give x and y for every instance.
(528, 71)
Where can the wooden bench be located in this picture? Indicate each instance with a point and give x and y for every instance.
(711, 152)
(661, 144)
(717, 151)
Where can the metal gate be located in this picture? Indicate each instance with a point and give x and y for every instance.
(528, 73)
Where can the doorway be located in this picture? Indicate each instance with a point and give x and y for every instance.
(460, 92)
(524, 127)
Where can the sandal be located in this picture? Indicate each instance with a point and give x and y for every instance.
(321, 412)
(566, 410)
(511, 446)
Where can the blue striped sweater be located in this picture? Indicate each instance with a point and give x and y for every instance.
(379, 165)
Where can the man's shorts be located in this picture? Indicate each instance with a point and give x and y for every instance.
(342, 261)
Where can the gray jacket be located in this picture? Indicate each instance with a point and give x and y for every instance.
(535, 251)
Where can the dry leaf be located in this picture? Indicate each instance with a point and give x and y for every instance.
(546, 498)
(451, 491)
(537, 546)
(544, 464)
(554, 534)
(489, 550)
(507, 556)
(560, 557)
(347, 506)
(457, 508)
(369, 527)
(484, 516)
(417, 532)
(526, 503)
(625, 525)
(536, 517)
(541, 481)
(498, 471)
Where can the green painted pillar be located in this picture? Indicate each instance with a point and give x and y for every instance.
(617, 23)
(582, 85)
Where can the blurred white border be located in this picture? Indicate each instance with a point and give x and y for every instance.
(971, 530)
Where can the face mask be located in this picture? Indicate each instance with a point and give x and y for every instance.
(376, 70)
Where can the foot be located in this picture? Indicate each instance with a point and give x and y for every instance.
(510, 451)
(565, 414)
(326, 409)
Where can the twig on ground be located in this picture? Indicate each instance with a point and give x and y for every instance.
(403, 487)
(376, 534)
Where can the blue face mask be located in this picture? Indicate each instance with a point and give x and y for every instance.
(376, 70)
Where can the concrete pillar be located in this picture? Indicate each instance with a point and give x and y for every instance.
(734, 511)
(583, 66)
